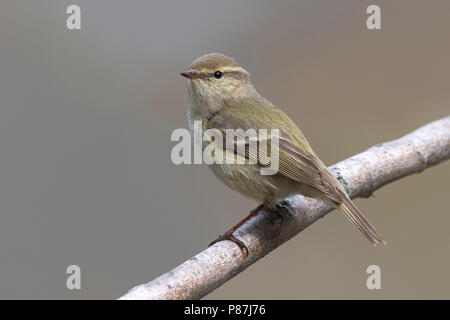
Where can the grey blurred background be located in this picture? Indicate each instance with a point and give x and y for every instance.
(85, 123)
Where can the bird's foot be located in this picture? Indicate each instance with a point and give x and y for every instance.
(229, 235)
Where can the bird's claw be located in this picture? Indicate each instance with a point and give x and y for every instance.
(231, 237)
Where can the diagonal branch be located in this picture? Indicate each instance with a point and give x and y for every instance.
(361, 175)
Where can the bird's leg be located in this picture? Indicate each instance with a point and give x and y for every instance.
(229, 235)
(276, 213)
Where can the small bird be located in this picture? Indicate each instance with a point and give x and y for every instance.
(222, 97)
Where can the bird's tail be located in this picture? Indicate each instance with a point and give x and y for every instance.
(360, 221)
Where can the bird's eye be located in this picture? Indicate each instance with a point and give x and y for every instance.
(218, 74)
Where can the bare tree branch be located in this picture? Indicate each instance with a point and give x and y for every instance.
(361, 175)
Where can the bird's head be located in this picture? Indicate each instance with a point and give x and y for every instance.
(216, 77)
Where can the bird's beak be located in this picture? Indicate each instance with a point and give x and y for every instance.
(189, 74)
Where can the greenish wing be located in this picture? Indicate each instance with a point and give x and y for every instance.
(297, 160)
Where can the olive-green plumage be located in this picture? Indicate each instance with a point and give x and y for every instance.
(222, 97)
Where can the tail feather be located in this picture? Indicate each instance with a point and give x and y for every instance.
(360, 221)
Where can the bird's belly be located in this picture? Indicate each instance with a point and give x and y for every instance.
(247, 179)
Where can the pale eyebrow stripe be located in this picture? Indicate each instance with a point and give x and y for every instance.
(235, 71)
(231, 69)
(224, 69)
